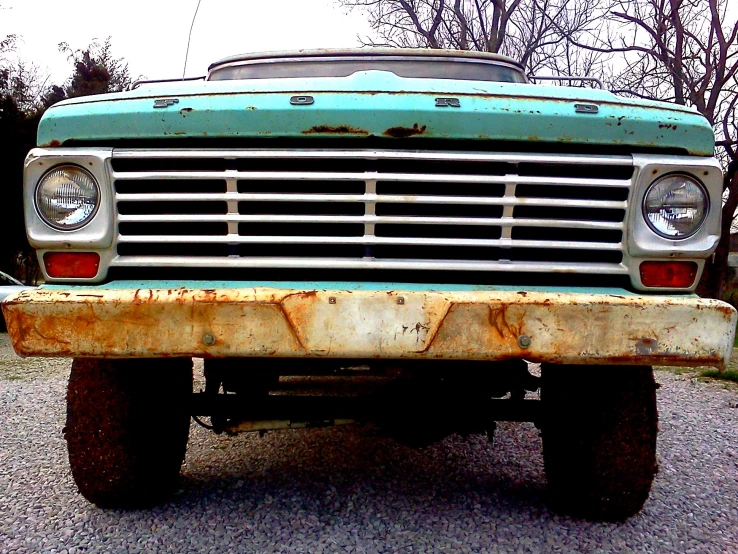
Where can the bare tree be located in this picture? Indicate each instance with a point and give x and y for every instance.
(531, 31)
(682, 51)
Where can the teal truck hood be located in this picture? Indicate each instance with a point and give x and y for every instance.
(379, 104)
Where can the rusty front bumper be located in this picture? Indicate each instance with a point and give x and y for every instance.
(565, 328)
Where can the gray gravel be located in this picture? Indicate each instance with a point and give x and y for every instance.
(347, 490)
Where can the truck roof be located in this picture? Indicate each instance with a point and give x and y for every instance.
(368, 53)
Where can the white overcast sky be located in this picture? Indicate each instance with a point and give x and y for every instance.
(152, 34)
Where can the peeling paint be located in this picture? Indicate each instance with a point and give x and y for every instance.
(51, 144)
(403, 132)
(339, 130)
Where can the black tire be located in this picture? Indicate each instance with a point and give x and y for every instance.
(599, 439)
(127, 427)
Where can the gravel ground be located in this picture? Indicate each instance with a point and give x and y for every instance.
(347, 490)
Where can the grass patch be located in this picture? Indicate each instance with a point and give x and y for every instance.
(678, 370)
(729, 375)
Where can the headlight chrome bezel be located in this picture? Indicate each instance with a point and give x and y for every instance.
(705, 201)
(86, 221)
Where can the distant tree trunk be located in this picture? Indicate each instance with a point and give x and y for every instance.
(713, 280)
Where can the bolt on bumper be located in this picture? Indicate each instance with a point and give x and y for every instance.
(553, 327)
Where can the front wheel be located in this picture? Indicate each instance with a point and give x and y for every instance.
(127, 428)
(599, 439)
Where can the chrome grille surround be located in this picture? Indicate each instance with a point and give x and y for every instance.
(364, 185)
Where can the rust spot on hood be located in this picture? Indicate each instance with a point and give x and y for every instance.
(339, 130)
(402, 132)
(51, 144)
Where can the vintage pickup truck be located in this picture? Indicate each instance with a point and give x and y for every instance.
(376, 236)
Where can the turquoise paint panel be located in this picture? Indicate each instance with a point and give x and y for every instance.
(341, 285)
(372, 82)
(381, 105)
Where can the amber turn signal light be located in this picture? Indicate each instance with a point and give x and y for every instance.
(673, 275)
(78, 265)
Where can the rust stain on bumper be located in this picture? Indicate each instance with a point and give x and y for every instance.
(563, 328)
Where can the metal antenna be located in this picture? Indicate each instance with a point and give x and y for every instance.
(189, 38)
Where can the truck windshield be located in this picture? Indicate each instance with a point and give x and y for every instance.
(421, 68)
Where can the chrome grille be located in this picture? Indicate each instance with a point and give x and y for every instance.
(371, 209)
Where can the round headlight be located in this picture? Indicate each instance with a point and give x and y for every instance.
(67, 197)
(675, 206)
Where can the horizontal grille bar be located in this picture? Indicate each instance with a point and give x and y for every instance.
(368, 240)
(501, 222)
(504, 157)
(366, 176)
(339, 263)
(370, 198)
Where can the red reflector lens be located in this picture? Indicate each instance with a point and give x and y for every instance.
(80, 265)
(675, 275)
